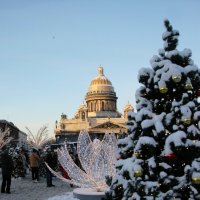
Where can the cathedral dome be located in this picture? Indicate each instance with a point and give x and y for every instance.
(100, 84)
(101, 98)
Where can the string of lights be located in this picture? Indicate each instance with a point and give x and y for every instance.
(97, 159)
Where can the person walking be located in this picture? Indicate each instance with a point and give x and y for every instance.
(49, 159)
(7, 168)
(34, 164)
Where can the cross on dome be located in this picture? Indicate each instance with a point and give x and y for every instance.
(100, 70)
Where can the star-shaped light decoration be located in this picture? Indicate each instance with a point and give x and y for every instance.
(97, 159)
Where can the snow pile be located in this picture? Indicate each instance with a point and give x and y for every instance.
(68, 196)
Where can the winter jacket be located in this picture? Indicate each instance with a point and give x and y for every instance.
(7, 163)
(49, 159)
(34, 160)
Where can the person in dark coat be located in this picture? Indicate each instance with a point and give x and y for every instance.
(7, 168)
(49, 159)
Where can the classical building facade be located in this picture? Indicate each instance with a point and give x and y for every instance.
(97, 115)
(19, 137)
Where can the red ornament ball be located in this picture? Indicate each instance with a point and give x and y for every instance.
(170, 156)
(198, 92)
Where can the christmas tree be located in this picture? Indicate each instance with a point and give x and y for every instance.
(160, 157)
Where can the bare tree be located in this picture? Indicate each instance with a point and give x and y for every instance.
(5, 137)
(40, 138)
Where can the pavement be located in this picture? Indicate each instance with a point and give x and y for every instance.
(26, 189)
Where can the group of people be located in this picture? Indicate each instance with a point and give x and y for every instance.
(13, 164)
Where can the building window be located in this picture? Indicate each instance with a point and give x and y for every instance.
(83, 116)
(91, 107)
(62, 126)
(102, 106)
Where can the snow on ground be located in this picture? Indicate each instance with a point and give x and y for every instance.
(26, 189)
(67, 196)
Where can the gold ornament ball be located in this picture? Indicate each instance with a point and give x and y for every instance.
(163, 89)
(187, 121)
(176, 78)
(196, 180)
(138, 173)
(136, 154)
(188, 86)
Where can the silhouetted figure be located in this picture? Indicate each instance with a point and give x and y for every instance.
(7, 168)
(49, 159)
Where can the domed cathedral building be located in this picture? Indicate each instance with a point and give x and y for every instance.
(97, 115)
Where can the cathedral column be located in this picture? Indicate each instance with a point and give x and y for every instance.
(99, 105)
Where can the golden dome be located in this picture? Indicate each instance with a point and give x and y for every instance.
(128, 107)
(100, 83)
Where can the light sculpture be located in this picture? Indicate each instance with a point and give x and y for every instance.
(97, 159)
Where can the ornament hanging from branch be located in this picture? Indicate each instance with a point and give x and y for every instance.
(176, 78)
(198, 92)
(196, 180)
(188, 86)
(170, 156)
(138, 173)
(186, 121)
(163, 89)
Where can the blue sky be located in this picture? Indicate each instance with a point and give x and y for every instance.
(50, 51)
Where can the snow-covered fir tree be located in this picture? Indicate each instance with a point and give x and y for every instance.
(160, 157)
(119, 184)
